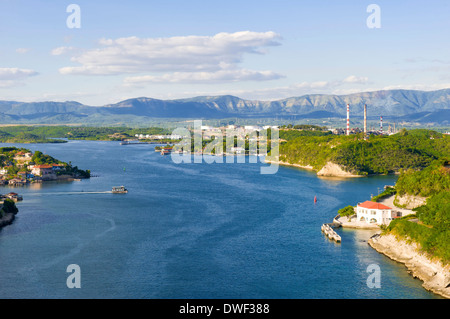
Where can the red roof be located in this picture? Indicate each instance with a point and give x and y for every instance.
(43, 166)
(373, 205)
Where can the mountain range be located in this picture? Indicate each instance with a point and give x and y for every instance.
(401, 105)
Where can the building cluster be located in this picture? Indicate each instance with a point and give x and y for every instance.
(27, 171)
(158, 137)
(241, 132)
(209, 131)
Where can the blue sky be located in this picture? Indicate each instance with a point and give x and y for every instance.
(252, 49)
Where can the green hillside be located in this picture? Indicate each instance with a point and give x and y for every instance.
(413, 149)
(432, 231)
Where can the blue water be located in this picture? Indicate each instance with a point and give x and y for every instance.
(189, 231)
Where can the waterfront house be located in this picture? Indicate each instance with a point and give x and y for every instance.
(374, 213)
(17, 182)
(45, 171)
(14, 196)
(166, 150)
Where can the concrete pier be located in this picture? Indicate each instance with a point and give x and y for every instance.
(330, 233)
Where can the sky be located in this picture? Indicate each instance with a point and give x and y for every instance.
(102, 52)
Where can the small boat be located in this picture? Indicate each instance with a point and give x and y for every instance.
(119, 190)
(315, 199)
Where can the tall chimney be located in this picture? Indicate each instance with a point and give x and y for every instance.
(365, 120)
(348, 119)
(381, 124)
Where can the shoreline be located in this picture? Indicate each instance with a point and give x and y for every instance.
(7, 220)
(329, 170)
(308, 167)
(435, 276)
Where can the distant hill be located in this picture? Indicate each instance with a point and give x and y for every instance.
(406, 105)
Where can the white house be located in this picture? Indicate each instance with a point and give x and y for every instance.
(372, 212)
(45, 171)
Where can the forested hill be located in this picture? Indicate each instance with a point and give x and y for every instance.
(432, 231)
(414, 149)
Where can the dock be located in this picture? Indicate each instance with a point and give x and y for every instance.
(330, 233)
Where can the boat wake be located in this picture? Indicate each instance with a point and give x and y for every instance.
(68, 193)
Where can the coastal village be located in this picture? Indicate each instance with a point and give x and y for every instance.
(20, 167)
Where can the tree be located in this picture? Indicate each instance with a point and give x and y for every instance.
(347, 211)
(9, 207)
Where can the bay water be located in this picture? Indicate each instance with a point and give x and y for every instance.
(190, 230)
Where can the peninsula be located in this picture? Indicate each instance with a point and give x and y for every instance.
(356, 156)
(19, 166)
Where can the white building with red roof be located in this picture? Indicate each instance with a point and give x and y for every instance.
(374, 213)
(45, 171)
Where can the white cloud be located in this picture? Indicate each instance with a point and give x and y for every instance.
(200, 55)
(204, 77)
(61, 50)
(356, 79)
(419, 87)
(10, 77)
(22, 50)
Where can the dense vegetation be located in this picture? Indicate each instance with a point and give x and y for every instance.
(25, 137)
(377, 155)
(50, 134)
(433, 230)
(389, 191)
(291, 134)
(347, 211)
(8, 207)
(427, 182)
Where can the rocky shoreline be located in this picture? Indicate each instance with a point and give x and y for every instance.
(7, 219)
(308, 167)
(329, 170)
(435, 275)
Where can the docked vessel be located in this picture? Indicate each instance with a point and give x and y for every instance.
(119, 190)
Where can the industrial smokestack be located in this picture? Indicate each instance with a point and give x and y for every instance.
(348, 119)
(365, 120)
(381, 124)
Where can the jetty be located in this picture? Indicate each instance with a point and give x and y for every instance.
(328, 230)
(137, 142)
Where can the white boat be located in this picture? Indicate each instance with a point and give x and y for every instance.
(119, 190)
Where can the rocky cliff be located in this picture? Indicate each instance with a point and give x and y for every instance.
(434, 274)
